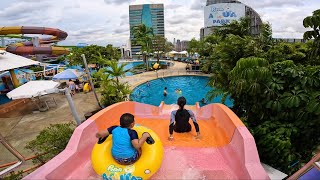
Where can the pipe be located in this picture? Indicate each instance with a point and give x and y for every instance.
(26, 159)
(13, 151)
(15, 81)
(89, 77)
(72, 107)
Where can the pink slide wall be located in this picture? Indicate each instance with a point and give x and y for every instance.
(238, 159)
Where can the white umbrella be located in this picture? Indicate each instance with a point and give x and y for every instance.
(11, 61)
(33, 89)
(68, 74)
(183, 52)
(172, 52)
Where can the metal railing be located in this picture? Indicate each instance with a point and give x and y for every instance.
(133, 80)
(13, 151)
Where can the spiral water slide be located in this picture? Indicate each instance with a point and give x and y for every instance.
(27, 48)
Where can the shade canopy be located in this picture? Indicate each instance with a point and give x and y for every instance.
(11, 61)
(68, 74)
(183, 52)
(172, 52)
(33, 89)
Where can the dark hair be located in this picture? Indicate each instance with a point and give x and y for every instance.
(165, 87)
(181, 102)
(126, 119)
(70, 79)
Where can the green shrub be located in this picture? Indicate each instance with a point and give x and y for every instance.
(36, 68)
(52, 140)
(14, 175)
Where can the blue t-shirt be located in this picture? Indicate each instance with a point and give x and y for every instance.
(121, 141)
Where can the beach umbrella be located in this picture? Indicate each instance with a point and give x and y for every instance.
(68, 74)
(33, 89)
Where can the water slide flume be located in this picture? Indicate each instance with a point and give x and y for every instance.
(227, 150)
(27, 48)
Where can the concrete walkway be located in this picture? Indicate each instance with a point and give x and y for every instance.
(23, 127)
(178, 69)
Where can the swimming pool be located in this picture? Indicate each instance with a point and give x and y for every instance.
(130, 65)
(193, 89)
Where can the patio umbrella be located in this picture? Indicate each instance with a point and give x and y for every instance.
(173, 52)
(68, 74)
(33, 89)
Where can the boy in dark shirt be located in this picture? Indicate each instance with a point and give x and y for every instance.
(125, 142)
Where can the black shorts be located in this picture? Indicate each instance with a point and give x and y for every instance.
(183, 129)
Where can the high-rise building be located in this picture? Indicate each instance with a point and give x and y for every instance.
(184, 45)
(151, 15)
(220, 12)
(178, 45)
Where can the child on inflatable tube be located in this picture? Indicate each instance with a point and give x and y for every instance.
(126, 146)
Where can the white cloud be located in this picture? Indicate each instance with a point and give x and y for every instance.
(106, 21)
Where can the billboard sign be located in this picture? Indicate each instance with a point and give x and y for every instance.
(223, 13)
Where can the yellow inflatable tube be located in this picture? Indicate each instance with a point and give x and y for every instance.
(148, 164)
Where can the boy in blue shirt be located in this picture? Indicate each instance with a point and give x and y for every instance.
(125, 142)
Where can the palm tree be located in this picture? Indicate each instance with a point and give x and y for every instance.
(143, 36)
(116, 70)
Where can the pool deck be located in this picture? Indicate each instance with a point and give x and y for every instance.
(178, 69)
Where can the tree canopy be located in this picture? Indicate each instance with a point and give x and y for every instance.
(94, 54)
(274, 86)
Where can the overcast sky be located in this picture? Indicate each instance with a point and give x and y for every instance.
(106, 21)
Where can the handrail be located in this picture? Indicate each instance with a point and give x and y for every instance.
(26, 159)
(12, 151)
(305, 168)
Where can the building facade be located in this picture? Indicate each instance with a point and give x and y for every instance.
(181, 45)
(151, 15)
(221, 12)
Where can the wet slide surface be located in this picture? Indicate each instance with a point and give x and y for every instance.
(211, 134)
(226, 150)
(27, 48)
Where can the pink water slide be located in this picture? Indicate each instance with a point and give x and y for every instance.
(227, 150)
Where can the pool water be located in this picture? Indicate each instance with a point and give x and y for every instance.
(193, 89)
(130, 65)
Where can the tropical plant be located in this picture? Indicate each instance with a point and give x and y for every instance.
(314, 23)
(274, 87)
(14, 175)
(50, 142)
(193, 46)
(116, 70)
(239, 28)
(113, 92)
(94, 54)
(142, 36)
(111, 89)
(159, 43)
(168, 47)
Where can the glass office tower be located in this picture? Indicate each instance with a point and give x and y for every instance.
(152, 15)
